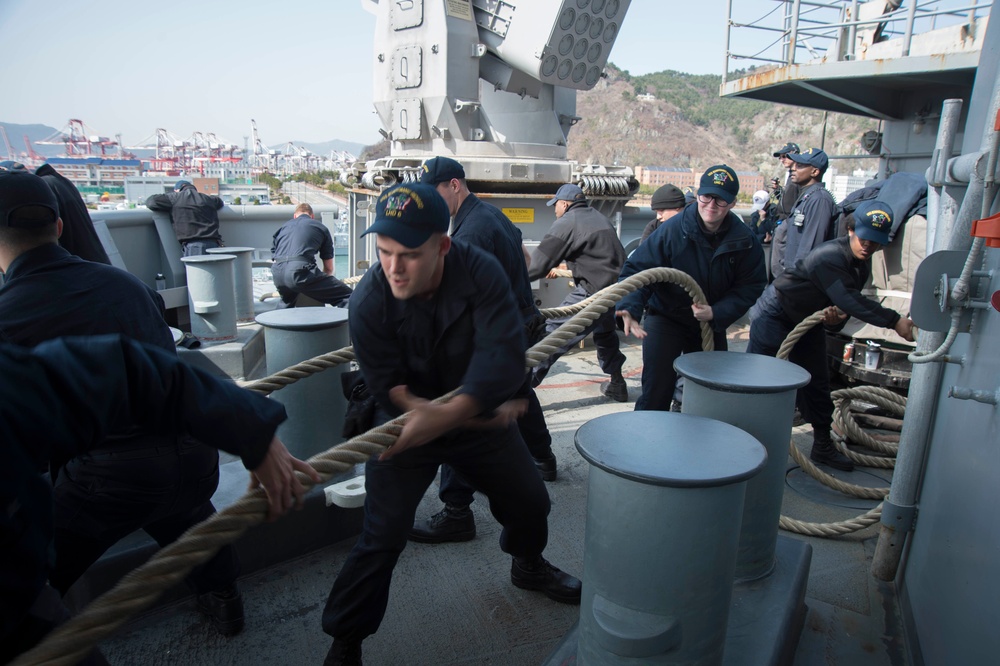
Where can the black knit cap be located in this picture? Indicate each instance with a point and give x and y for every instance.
(667, 197)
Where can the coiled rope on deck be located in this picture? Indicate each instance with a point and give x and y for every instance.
(879, 396)
(136, 591)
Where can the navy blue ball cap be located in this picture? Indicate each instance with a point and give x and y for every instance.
(410, 214)
(720, 181)
(567, 192)
(787, 149)
(180, 185)
(25, 200)
(873, 221)
(441, 170)
(814, 157)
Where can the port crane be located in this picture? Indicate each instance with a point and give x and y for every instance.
(80, 142)
(6, 143)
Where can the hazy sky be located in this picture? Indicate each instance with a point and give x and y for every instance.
(300, 68)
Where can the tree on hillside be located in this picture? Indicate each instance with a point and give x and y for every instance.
(375, 151)
(690, 121)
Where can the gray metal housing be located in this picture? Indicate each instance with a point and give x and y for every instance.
(937, 526)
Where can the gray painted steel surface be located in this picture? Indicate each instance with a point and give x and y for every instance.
(315, 404)
(453, 78)
(756, 394)
(663, 516)
(950, 581)
(947, 579)
(211, 296)
(242, 280)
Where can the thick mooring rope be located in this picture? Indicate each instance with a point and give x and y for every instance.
(599, 303)
(881, 397)
(301, 370)
(135, 592)
(69, 642)
(140, 588)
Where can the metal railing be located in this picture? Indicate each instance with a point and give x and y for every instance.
(144, 250)
(799, 31)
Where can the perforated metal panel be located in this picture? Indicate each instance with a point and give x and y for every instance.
(565, 44)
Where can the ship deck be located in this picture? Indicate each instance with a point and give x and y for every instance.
(453, 604)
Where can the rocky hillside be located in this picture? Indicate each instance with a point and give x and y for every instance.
(689, 125)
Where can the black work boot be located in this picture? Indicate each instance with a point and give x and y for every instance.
(537, 574)
(450, 524)
(825, 453)
(225, 608)
(546, 467)
(616, 389)
(343, 653)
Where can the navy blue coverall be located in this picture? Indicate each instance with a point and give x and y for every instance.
(134, 479)
(829, 275)
(468, 334)
(486, 227)
(810, 223)
(294, 248)
(59, 400)
(729, 268)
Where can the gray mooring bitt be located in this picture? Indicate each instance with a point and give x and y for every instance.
(242, 280)
(315, 404)
(665, 498)
(756, 394)
(211, 296)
